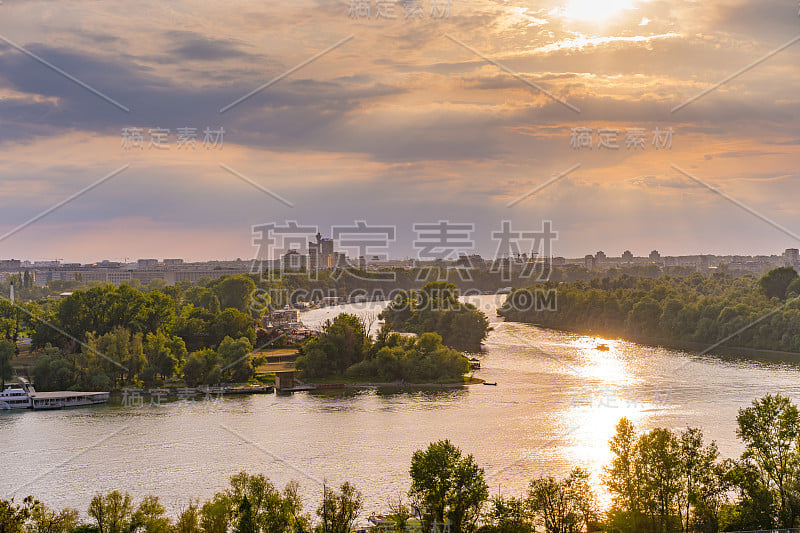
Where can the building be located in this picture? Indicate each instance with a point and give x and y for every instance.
(10, 264)
(281, 318)
(147, 263)
(320, 254)
(589, 261)
(600, 258)
(293, 261)
(792, 256)
(173, 262)
(627, 256)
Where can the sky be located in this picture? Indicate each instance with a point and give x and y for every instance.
(472, 113)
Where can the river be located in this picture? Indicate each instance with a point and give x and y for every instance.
(555, 406)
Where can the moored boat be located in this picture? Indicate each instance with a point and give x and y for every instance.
(24, 396)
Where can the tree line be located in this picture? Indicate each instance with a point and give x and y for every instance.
(105, 337)
(696, 308)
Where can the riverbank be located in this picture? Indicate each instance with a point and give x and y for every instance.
(354, 383)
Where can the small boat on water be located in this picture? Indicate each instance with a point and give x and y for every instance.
(24, 396)
(602, 347)
(492, 383)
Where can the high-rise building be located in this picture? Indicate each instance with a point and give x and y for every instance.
(293, 261)
(792, 256)
(10, 264)
(320, 254)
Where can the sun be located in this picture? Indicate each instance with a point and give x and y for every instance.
(595, 10)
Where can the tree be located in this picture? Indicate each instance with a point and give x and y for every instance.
(235, 358)
(7, 351)
(704, 483)
(215, 515)
(769, 429)
(563, 506)
(509, 515)
(622, 476)
(343, 343)
(339, 511)
(194, 369)
(112, 512)
(46, 520)
(150, 517)
(445, 485)
(775, 282)
(660, 467)
(398, 516)
(163, 353)
(189, 520)
(256, 506)
(234, 292)
(234, 324)
(52, 371)
(13, 517)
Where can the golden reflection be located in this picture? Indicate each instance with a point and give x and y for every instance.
(602, 361)
(597, 409)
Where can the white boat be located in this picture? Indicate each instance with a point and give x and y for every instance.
(24, 396)
(15, 397)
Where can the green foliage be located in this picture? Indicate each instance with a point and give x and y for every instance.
(435, 308)
(770, 430)
(7, 352)
(234, 292)
(345, 348)
(508, 515)
(9, 321)
(694, 308)
(421, 359)
(563, 506)
(447, 486)
(776, 282)
(13, 517)
(344, 342)
(189, 520)
(112, 512)
(46, 520)
(52, 371)
(237, 366)
(339, 510)
(232, 323)
(202, 366)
